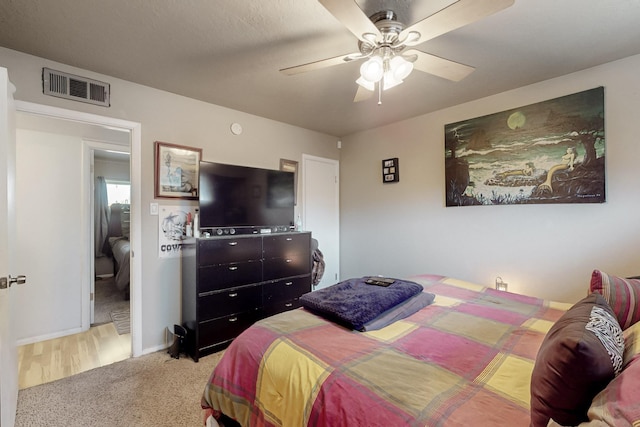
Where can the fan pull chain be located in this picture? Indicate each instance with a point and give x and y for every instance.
(380, 93)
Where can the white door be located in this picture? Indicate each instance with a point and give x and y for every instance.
(321, 211)
(8, 351)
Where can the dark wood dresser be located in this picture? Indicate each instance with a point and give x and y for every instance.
(230, 282)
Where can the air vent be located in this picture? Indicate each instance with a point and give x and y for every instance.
(69, 86)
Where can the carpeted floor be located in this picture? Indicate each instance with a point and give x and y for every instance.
(151, 390)
(108, 298)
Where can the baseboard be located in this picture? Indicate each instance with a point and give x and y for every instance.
(54, 335)
(153, 349)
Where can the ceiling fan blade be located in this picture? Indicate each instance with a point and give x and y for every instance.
(456, 15)
(362, 94)
(440, 67)
(323, 63)
(352, 17)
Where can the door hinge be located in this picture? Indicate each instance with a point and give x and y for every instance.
(6, 282)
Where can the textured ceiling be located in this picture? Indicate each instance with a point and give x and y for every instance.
(228, 52)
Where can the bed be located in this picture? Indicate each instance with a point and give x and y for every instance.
(121, 251)
(119, 245)
(466, 359)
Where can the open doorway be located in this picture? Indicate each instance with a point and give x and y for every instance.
(111, 229)
(99, 124)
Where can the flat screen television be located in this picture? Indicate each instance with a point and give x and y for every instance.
(241, 196)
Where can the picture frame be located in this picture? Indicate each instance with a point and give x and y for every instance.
(177, 171)
(549, 152)
(390, 170)
(291, 166)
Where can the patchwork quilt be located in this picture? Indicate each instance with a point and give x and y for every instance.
(466, 359)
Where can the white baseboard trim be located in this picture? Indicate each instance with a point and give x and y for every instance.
(58, 334)
(153, 349)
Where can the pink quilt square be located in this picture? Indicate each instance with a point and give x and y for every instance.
(452, 292)
(477, 411)
(230, 374)
(524, 343)
(497, 314)
(457, 354)
(343, 402)
(331, 347)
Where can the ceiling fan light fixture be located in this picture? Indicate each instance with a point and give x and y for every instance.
(411, 38)
(372, 70)
(400, 67)
(366, 84)
(390, 81)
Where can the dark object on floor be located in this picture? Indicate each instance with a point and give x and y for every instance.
(225, 421)
(177, 347)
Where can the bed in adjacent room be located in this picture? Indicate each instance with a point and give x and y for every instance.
(465, 359)
(120, 246)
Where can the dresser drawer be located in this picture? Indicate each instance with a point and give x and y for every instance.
(281, 306)
(217, 277)
(283, 290)
(228, 302)
(292, 265)
(227, 250)
(286, 245)
(226, 328)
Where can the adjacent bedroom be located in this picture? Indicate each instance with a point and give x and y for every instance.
(112, 194)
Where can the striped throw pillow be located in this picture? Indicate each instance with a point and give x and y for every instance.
(623, 295)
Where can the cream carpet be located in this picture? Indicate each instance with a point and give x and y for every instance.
(151, 390)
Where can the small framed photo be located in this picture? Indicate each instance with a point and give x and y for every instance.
(177, 171)
(390, 170)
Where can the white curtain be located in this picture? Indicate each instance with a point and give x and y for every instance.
(102, 213)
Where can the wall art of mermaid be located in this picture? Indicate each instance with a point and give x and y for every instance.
(549, 152)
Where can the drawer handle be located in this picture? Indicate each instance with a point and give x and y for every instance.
(288, 305)
(233, 319)
(233, 268)
(288, 260)
(233, 295)
(233, 243)
(288, 284)
(289, 239)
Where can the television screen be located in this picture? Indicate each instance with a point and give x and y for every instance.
(241, 196)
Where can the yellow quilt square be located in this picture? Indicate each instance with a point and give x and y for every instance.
(443, 301)
(482, 330)
(393, 375)
(538, 325)
(564, 306)
(288, 383)
(510, 376)
(393, 331)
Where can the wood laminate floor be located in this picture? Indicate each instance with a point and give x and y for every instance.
(58, 358)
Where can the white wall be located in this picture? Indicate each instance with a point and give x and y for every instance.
(179, 120)
(112, 169)
(542, 250)
(49, 249)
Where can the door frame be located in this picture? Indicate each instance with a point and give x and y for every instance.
(307, 195)
(89, 147)
(135, 131)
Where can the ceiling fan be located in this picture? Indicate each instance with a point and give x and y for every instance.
(387, 44)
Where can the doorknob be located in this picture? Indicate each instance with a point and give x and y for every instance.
(6, 282)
